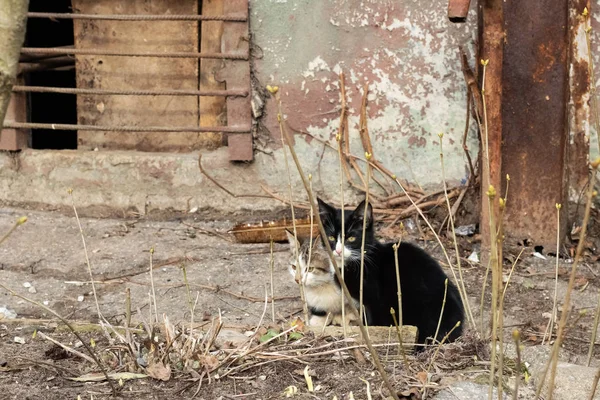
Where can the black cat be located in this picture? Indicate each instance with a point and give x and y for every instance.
(421, 277)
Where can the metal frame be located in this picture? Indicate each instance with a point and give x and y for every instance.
(236, 74)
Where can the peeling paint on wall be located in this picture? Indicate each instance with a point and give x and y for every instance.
(406, 53)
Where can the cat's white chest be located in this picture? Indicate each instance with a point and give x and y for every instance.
(324, 297)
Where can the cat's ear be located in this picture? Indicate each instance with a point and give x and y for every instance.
(359, 213)
(294, 243)
(317, 242)
(324, 208)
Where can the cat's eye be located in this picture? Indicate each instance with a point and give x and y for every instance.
(293, 267)
(351, 239)
(311, 269)
(331, 239)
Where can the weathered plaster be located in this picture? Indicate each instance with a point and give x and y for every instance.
(407, 53)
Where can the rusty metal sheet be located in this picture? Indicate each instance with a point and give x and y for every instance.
(237, 76)
(534, 119)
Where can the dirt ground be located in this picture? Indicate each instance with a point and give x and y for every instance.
(230, 280)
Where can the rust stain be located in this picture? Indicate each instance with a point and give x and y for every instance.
(545, 60)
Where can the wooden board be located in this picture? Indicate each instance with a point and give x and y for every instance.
(377, 334)
(146, 73)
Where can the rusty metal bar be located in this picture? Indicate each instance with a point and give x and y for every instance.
(99, 52)
(534, 112)
(75, 127)
(491, 50)
(46, 89)
(124, 17)
(458, 10)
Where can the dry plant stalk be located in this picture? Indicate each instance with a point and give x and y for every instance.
(437, 329)
(363, 330)
(20, 221)
(517, 339)
(362, 245)
(594, 385)
(343, 125)
(461, 281)
(553, 361)
(398, 323)
(271, 268)
(71, 328)
(87, 258)
(153, 298)
(291, 200)
(552, 320)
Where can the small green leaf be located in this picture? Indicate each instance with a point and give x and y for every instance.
(271, 333)
(296, 336)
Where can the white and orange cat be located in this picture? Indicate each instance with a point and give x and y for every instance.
(322, 290)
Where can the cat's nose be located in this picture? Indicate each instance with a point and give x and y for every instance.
(338, 249)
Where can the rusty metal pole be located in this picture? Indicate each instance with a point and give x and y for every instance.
(491, 50)
(535, 90)
(458, 10)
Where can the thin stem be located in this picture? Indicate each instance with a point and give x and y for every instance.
(339, 137)
(482, 300)
(18, 223)
(461, 282)
(400, 344)
(87, 258)
(289, 175)
(512, 268)
(554, 301)
(362, 245)
(396, 246)
(152, 284)
(437, 329)
(594, 385)
(517, 339)
(271, 267)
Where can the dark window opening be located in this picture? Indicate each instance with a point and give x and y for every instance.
(54, 71)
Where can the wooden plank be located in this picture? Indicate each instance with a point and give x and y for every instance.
(213, 110)
(106, 72)
(237, 76)
(15, 139)
(377, 334)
